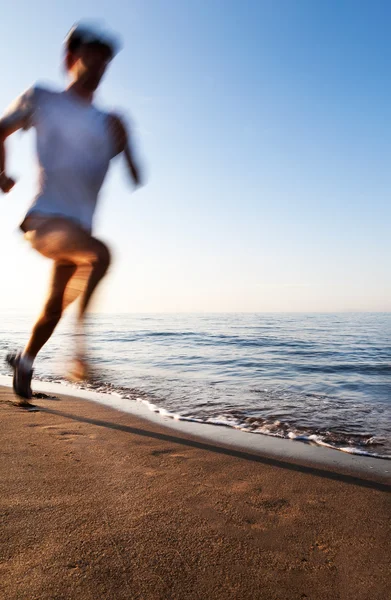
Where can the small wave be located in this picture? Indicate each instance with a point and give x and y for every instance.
(168, 334)
(269, 340)
(360, 368)
(352, 443)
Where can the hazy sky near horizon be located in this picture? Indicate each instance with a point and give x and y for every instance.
(264, 129)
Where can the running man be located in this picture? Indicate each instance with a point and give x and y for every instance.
(75, 144)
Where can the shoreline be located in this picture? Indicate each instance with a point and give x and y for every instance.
(99, 503)
(306, 454)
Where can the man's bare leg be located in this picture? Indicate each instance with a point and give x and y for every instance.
(22, 363)
(96, 273)
(81, 262)
(53, 309)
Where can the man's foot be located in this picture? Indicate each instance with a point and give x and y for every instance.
(22, 377)
(80, 370)
(26, 405)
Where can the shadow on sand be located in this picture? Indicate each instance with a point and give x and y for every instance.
(200, 445)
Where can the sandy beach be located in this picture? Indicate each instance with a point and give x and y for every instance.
(96, 503)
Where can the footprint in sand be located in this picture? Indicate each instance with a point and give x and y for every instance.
(65, 434)
(275, 505)
(241, 486)
(42, 396)
(168, 452)
(253, 498)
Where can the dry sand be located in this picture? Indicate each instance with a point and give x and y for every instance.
(97, 504)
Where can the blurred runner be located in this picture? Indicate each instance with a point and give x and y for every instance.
(75, 142)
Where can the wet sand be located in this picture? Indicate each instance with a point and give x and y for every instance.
(96, 504)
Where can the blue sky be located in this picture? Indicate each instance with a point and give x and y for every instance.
(264, 128)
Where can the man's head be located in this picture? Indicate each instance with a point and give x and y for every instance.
(88, 51)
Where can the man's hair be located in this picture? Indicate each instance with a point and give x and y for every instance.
(82, 34)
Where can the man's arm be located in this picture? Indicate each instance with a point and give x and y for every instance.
(122, 144)
(6, 183)
(18, 116)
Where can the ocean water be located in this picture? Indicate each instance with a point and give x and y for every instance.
(320, 378)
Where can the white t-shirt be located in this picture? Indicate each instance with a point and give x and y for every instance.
(74, 146)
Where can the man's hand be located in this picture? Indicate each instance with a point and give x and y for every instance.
(6, 183)
(134, 170)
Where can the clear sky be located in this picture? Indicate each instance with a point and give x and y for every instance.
(264, 128)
